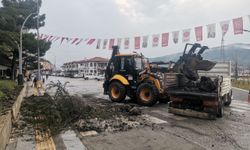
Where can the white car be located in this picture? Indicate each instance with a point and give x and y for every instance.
(77, 76)
(99, 77)
(89, 77)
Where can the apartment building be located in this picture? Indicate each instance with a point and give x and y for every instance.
(92, 66)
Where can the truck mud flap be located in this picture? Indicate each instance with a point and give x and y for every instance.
(192, 113)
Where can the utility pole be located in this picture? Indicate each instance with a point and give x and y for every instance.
(222, 51)
(38, 44)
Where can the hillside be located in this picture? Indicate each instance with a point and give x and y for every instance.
(231, 51)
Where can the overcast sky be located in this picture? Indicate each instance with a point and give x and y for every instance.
(130, 18)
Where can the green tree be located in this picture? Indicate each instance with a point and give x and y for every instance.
(12, 16)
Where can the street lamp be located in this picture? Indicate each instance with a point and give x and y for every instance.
(20, 74)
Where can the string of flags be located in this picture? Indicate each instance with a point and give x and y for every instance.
(157, 39)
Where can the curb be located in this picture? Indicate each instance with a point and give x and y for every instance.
(5, 129)
(10, 117)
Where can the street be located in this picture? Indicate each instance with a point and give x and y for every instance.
(168, 131)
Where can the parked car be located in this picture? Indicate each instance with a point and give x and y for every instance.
(89, 77)
(99, 77)
(77, 75)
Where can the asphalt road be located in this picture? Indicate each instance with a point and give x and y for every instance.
(170, 131)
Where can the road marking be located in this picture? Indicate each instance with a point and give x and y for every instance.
(153, 119)
(168, 115)
(241, 89)
(238, 110)
(241, 105)
(71, 141)
(44, 140)
(241, 102)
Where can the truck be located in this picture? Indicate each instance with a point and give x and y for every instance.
(178, 82)
(202, 91)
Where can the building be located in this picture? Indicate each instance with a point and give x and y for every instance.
(93, 66)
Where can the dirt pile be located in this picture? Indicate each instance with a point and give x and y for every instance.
(86, 113)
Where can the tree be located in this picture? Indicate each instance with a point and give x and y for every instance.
(12, 16)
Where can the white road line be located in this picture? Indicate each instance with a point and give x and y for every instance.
(168, 115)
(153, 119)
(240, 89)
(71, 141)
(240, 102)
(242, 108)
(238, 110)
(242, 105)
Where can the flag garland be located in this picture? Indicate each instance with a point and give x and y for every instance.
(157, 39)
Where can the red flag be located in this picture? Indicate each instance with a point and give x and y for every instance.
(91, 41)
(186, 35)
(198, 33)
(164, 39)
(79, 42)
(137, 42)
(238, 25)
(111, 43)
(75, 40)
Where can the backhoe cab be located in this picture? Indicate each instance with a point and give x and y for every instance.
(129, 75)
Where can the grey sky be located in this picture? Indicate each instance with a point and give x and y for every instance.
(129, 18)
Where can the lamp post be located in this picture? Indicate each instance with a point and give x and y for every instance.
(20, 74)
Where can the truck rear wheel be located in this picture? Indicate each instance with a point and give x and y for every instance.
(147, 94)
(220, 108)
(117, 92)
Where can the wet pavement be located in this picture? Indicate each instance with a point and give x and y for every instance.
(167, 132)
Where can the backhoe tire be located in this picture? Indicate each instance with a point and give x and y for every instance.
(147, 94)
(117, 92)
(220, 108)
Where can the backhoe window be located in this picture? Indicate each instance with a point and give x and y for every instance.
(138, 64)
